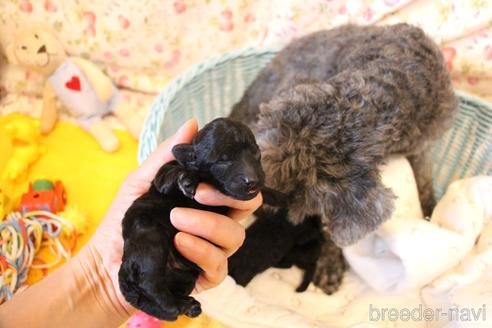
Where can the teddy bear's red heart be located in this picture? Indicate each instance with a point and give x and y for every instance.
(73, 84)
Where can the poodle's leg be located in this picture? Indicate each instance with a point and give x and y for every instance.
(357, 208)
(165, 179)
(157, 300)
(149, 295)
(330, 268)
(285, 263)
(187, 183)
(189, 306)
(421, 163)
(172, 175)
(306, 278)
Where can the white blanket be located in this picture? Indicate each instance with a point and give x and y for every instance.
(409, 273)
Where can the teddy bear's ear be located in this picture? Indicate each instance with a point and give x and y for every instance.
(10, 53)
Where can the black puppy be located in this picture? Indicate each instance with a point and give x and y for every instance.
(306, 250)
(273, 241)
(154, 277)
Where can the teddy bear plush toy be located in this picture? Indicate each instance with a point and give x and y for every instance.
(83, 89)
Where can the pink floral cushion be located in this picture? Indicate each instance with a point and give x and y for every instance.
(142, 45)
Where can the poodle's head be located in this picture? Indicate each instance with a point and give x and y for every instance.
(308, 155)
(225, 153)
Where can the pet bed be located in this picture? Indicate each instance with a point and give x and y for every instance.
(409, 263)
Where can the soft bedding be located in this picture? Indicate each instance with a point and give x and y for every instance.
(418, 273)
(433, 266)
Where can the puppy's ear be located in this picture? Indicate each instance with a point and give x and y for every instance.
(357, 208)
(185, 155)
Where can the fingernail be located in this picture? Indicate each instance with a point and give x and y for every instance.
(178, 219)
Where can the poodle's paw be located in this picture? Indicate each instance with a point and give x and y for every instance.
(242, 278)
(330, 268)
(328, 278)
(161, 308)
(151, 298)
(190, 307)
(188, 183)
(428, 202)
(168, 314)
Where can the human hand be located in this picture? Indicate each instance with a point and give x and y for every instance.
(205, 238)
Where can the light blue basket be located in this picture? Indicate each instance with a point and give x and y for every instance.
(210, 89)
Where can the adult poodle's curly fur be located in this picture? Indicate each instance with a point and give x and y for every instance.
(331, 107)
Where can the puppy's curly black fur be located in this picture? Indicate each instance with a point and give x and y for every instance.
(154, 277)
(331, 107)
(306, 250)
(273, 241)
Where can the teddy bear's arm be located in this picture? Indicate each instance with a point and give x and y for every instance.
(49, 113)
(100, 82)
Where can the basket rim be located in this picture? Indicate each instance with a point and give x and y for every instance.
(156, 117)
(474, 98)
(170, 90)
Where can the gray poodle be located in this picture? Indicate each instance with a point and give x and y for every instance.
(330, 108)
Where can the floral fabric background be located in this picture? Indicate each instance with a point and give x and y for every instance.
(143, 44)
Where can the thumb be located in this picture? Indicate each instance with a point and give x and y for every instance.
(162, 154)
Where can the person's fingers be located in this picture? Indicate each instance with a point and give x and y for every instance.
(211, 259)
(218, 229)
(202, 283)
(208, 195)
(162, 154)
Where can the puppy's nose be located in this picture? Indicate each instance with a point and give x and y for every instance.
(42, 49)
(250, 182)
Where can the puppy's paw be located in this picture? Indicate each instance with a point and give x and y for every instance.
(242, 278)
(188, 183)
(190, 307)
(169, 314)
